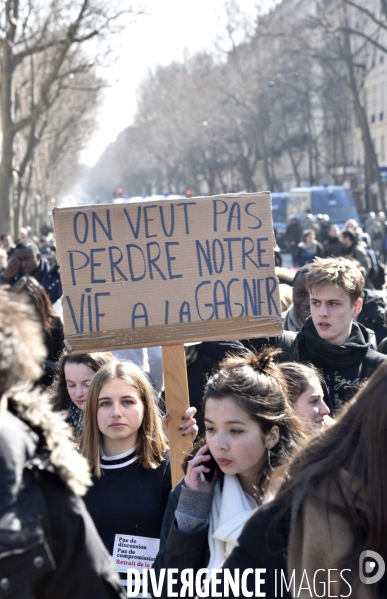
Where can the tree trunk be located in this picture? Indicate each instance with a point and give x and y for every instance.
(6, 152)
(8, 133)
(369, 150)
(25, 202)
(294, 167)
(6, 180)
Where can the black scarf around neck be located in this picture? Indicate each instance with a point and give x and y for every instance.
(332, 357)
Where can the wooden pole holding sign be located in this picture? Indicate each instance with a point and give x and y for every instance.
(177, 402)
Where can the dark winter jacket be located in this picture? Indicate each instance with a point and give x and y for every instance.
(177, 549)
(358, 252)
(48, 544)
(372, 314)
(284, 542)
(48, 277)
(306, 254)
(293, 234)
(332, 247)
(344, 367)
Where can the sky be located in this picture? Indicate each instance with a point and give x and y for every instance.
(170, 28)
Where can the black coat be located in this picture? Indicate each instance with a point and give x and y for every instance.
(293, 234)
(332, 247)
(372, 314)
(48, 543)
(48, 277)
(346, 367)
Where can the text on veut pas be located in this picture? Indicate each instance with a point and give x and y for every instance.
(230, 265)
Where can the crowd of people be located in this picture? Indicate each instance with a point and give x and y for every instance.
(286, 472)
(317, 237)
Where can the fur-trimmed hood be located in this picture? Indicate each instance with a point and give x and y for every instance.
(54, 449)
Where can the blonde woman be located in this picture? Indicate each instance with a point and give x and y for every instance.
(127, 451)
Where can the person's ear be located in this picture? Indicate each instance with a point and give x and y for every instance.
(272, 437)
(357, 307)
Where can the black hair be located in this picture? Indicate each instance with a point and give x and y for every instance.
(27, 244)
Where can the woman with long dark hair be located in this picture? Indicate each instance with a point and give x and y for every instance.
(330, 509)
(69, 390)
(250, 430)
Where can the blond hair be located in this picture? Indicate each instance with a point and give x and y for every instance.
(151, 442)
(340, 272)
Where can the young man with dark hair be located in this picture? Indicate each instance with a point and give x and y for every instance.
(331, 339)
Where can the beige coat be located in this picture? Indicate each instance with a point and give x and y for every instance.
(320, 538)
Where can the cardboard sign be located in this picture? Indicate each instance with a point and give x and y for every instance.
(168, 272)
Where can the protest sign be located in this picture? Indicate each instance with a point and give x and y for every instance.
(168, 272)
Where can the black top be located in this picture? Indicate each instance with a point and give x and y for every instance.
(372, 314)
(332, 247)
(128, 499)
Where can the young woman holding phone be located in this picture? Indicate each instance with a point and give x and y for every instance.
(250, 430)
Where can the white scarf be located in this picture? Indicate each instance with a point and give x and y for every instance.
(230, 509)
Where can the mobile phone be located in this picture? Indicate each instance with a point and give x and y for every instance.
(212, 465)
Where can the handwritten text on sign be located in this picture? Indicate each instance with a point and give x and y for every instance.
(138, 274)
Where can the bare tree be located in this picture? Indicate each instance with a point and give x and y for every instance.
(287, 91)
(47, 32)
(327, 36)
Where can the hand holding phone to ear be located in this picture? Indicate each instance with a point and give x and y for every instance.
(12, 269)
(200, 464)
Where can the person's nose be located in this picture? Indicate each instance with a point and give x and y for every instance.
(323, 309)
(221, 441)
(80, 391)
(116, 410)
(323, 408)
